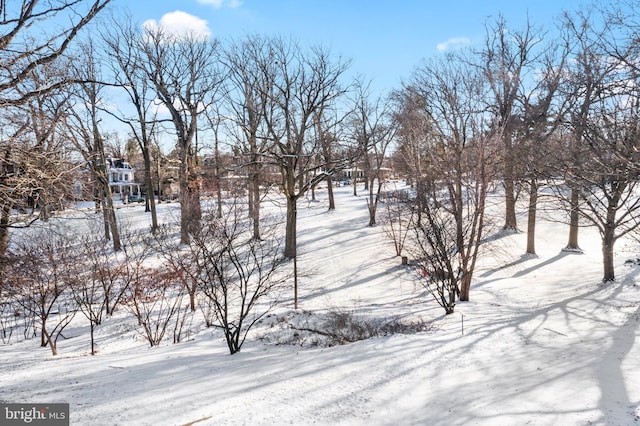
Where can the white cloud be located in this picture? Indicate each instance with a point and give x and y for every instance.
(219, 3)
(180, 23)
(453, 43)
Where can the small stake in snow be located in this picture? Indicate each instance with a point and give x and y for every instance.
(462, 322)
(557, 332)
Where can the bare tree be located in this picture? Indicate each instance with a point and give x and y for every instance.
(125, 53)
(240, 276)
(83, 129)
(249, 64)
(506, 59)
(102, 278)
(155, 298)
(543, 111)
(180, 263)
(450, 222)
(602, 168)
(41, 267)
(327, 126)
(301, 84)
(373, 132)
(608, 176)
(398, 218)
(24, 49)
(579, 86)
(45, 175)
(184, 71)
(36, 169)
(87, 289)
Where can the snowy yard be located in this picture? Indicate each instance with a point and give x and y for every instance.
(541, 342)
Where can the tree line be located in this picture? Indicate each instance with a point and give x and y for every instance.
(534, 111)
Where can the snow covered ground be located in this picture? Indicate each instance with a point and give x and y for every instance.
(542, 342)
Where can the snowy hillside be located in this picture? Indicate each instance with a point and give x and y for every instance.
(541, 342)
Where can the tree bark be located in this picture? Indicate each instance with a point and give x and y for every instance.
(111, 224)
(91, 330)
(608, 240)
(465, 287)
(510, 221)
(574, 220)
(290, 235)
(150, 204)
(5, 216)
(531, 217)
(332, 202)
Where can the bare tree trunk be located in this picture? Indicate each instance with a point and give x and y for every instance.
(110, 223)
(254, 188)
(531, 219)
(255, 212)
(44, 336)
(192, 298)
(105, 221)
(52, 343)
(372, 201)
(607, 256)
(510, 221)
(5, 216)
(574, 219)
(290, 235)
(91, 330)
(332, 202)
(608, 240)
(219, 198)
(465, 287)
(151, 199)
(355, 186)
(113, 224)
(218, 180)
(191, 211)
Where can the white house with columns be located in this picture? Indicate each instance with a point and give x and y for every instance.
(121, 179)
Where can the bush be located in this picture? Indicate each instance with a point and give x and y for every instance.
(333, 328)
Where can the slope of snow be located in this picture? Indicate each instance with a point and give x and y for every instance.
(542, 342)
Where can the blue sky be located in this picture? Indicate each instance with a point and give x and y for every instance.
(384, 39)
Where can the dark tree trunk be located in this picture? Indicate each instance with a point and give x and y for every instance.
(332, 202)
(192, 298)
(105, 220)
(531, 218)
(465, 287)
(254, 176)
(5, 216)
(110, 222)
(608, 240)
(190, 209)
(91, 330)
(290, 235)
(52, 343)
(574, 219)
(510, 222)
(372, 201)
(43, 333)
(150, 204)
(113, 224)
(372, 211)
(255, 204)
(354, 181)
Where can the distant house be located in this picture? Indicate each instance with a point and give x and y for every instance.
(121, 179)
